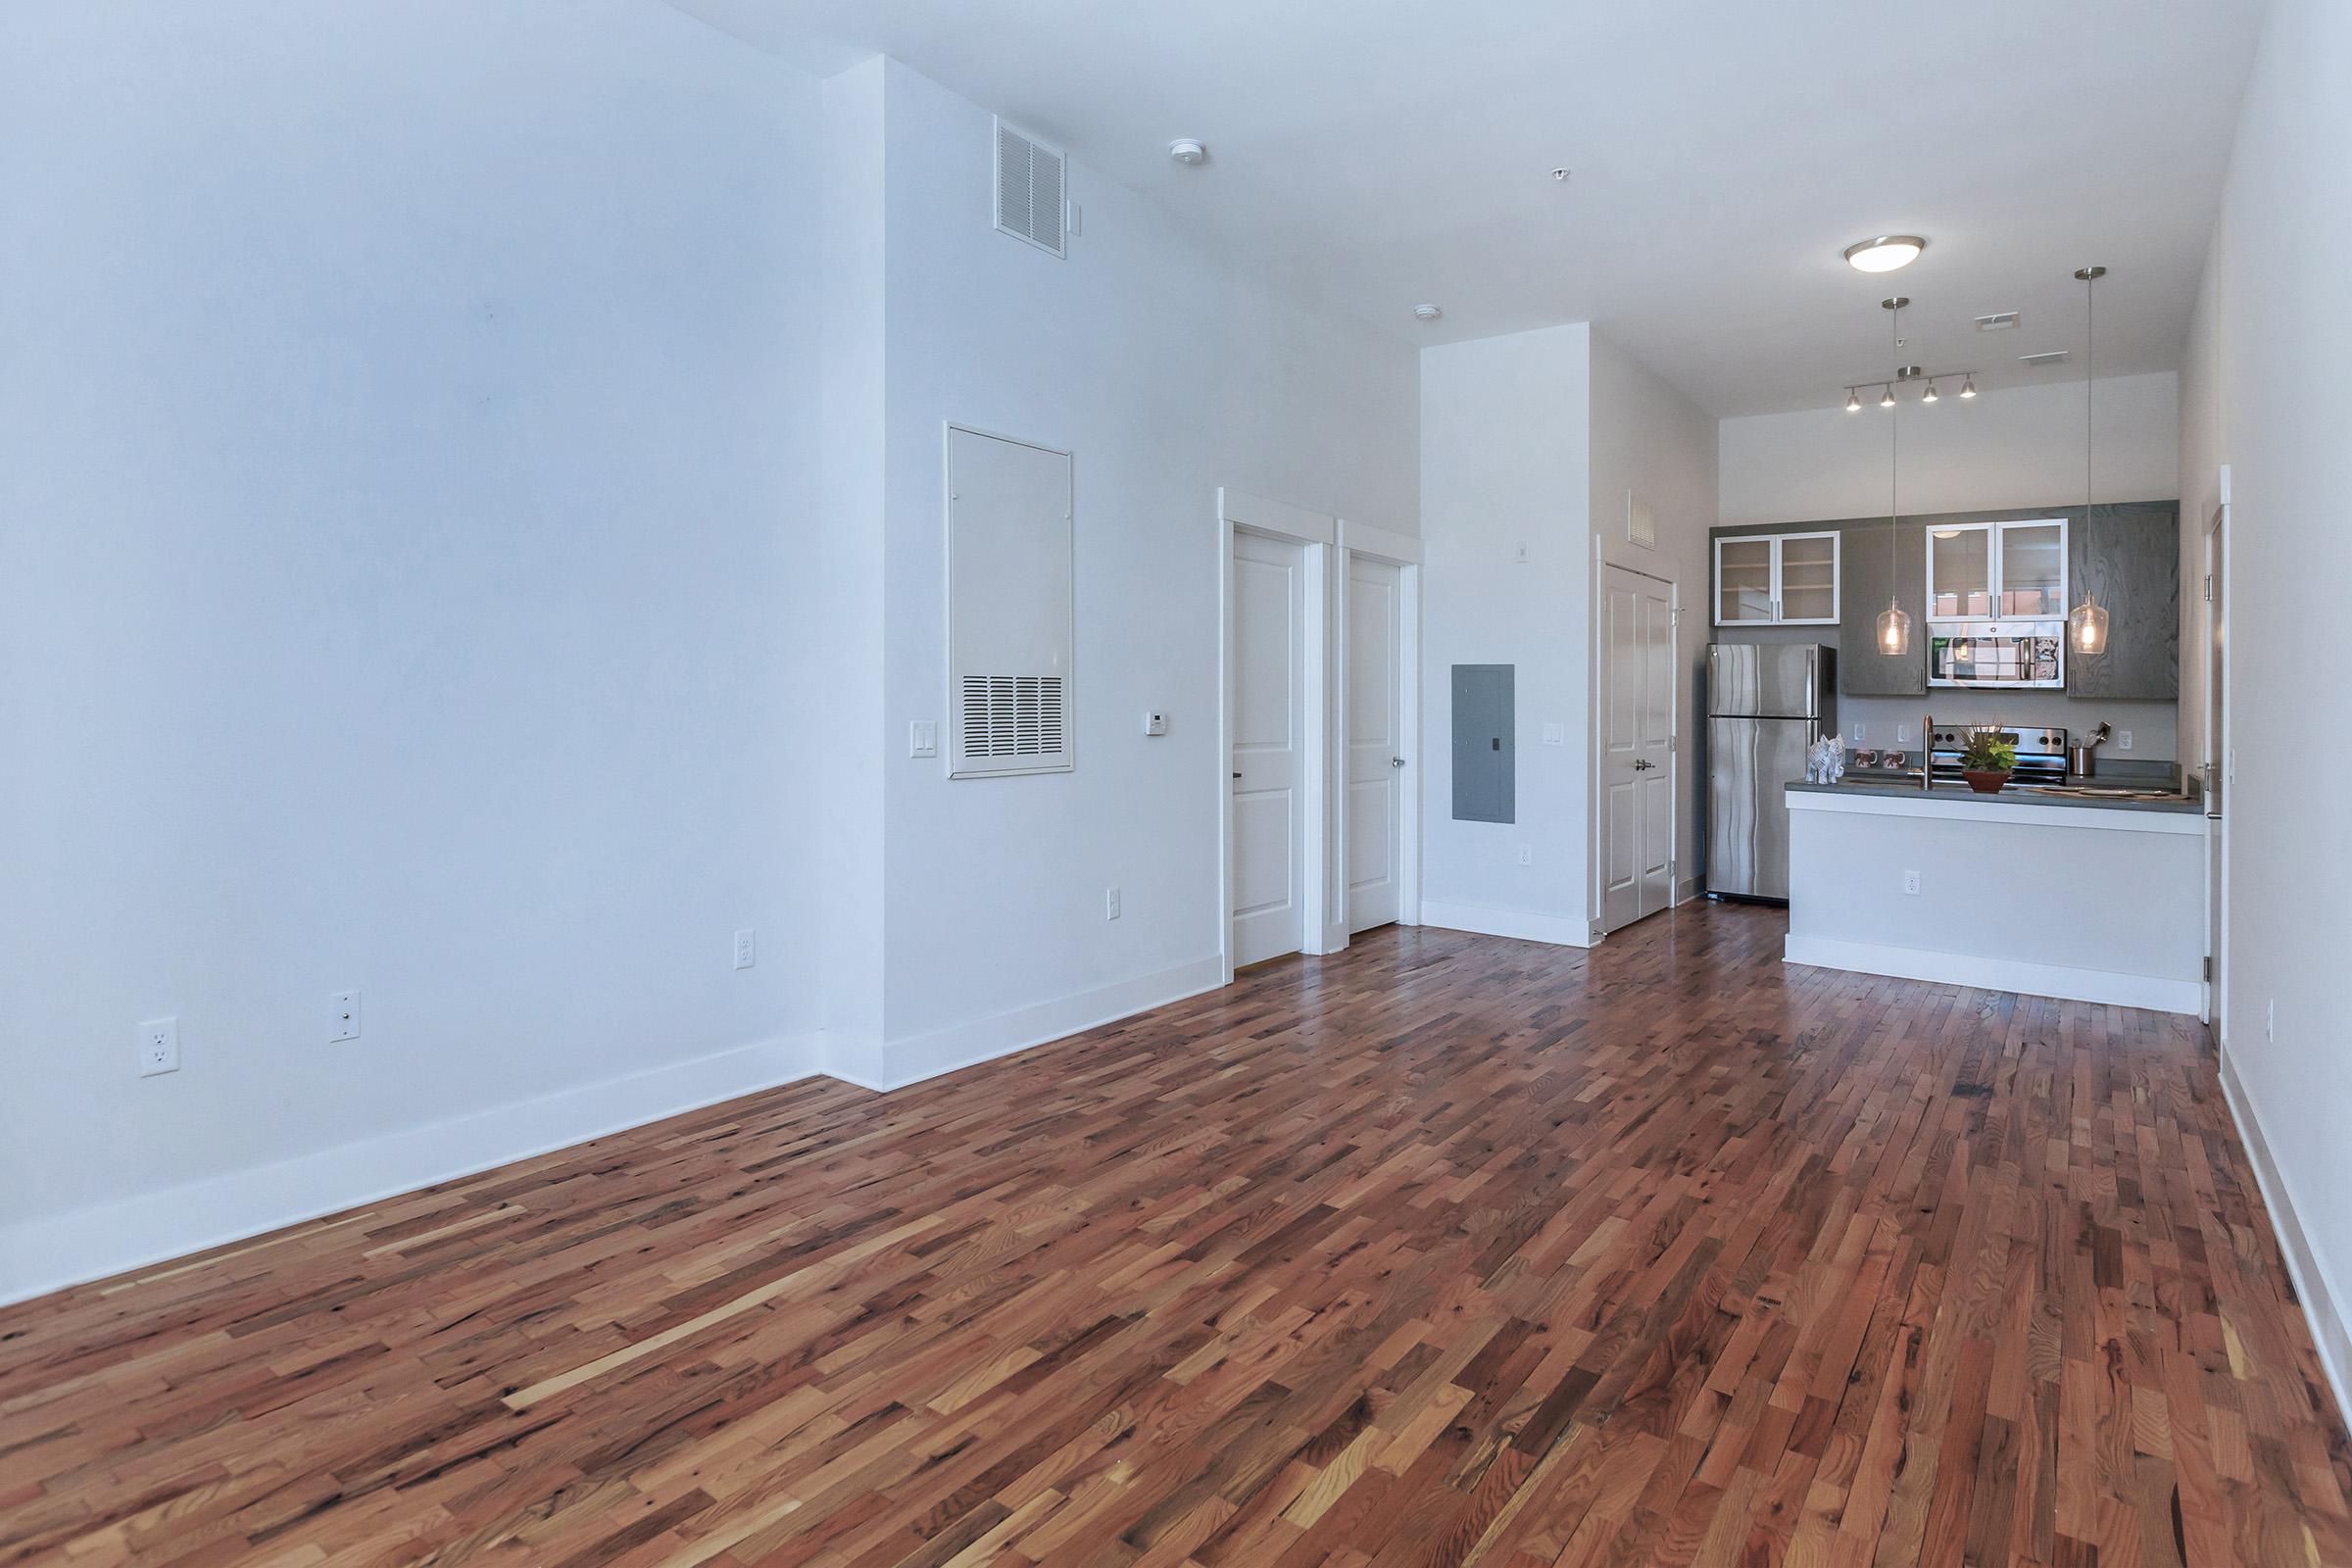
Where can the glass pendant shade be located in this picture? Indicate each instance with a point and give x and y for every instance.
(1894, 630)
(2086, 626)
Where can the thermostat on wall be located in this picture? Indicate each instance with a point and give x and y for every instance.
(1155, 723)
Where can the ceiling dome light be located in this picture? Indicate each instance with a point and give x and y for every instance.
(1968, 388)
(1426, 312)
(1886, 254)
(1187, 151)
(1931, 396)
(1854, 401)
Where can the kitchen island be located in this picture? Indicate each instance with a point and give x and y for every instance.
(2055, 893)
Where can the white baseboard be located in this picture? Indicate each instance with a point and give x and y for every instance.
(1493, 921)
(41, 1255)
(967, 1045)
(2322, 1304)
(2152, 992)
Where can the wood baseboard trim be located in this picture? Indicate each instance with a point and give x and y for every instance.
(2151, 992)
(42, 1255)
(2321, 1305)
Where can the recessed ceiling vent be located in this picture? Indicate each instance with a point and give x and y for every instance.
(1029, 179)
(2000, 322)
(2045, 360)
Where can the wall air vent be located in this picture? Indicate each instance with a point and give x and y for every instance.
(2045, 360)
(2000, 322)
(1029, 190)
(1008, 606)
(1005, 716)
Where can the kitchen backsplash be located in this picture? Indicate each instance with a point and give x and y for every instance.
(2154, 726)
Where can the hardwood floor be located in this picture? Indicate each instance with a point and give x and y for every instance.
(1449, 1250)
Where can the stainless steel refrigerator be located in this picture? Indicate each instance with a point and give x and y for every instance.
(1766, 703)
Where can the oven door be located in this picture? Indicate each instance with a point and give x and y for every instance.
(2003, 653)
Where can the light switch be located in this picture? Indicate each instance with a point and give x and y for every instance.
(922, 738)
(1555, 734)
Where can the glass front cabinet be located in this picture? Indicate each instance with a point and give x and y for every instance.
(1997, 570)
(1784, 579)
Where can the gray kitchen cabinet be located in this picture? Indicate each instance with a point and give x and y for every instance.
(1869, 573)
(2129, 553)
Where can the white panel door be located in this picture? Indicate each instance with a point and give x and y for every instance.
(1375, 743)
(1268, 705)
(1636, 747)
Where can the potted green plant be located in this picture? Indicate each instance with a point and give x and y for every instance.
(1986, 760)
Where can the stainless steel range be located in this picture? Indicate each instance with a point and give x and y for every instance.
(2041, 753)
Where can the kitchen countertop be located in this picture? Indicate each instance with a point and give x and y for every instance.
(2014, 795)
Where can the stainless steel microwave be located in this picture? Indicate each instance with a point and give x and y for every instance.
(2008, 653)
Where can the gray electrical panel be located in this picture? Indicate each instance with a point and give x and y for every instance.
(1485, 756)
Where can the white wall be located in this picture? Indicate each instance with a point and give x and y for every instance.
(2013, 447)
(2265, 395)
(1505, 437)
(1650, 439)
(1167, 374)
(406, 457)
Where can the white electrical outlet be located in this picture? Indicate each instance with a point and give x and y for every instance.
(1911, 882)
(1857, 732)
(1902, 733)
(1527, 854)
(2122, 738)
(922, 738)
(1110, 904)
(343, 1016)
(159, 1046)
(746, 948)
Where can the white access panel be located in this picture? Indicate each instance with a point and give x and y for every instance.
(1009, 610)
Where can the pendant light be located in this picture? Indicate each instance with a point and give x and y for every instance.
(1854, 401)
(2087, 623)
(1894, 622)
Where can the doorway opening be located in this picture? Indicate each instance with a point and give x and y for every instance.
(1637, 747)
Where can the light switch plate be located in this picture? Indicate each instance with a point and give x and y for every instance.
(1555, 734)
(343, 1016)
(922, 738)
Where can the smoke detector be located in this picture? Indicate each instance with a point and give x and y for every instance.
(1187, 151)
(1427, 313)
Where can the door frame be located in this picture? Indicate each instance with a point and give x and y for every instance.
(1317, 536)
(1325, 540)
(1404, 552)
(1596, 845)
(2219, 755)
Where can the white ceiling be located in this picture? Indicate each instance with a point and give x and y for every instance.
(1372, 154)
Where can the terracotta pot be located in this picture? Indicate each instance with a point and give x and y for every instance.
(1987, 780)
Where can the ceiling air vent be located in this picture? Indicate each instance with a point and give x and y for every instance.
(2045, 360)
(1028, 189)
(2000, 322)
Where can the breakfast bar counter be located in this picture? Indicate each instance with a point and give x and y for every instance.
(2058, 894)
